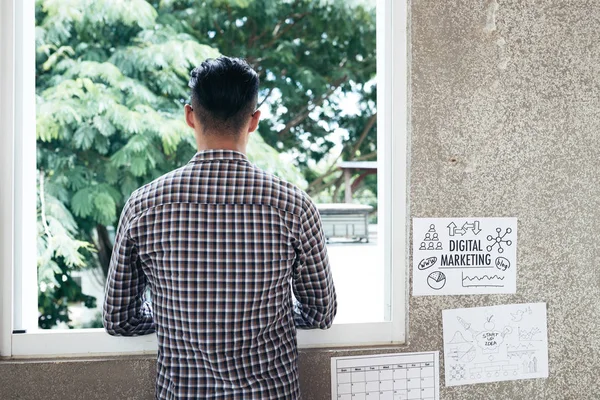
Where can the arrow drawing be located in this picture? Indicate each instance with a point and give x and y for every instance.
(473, 226)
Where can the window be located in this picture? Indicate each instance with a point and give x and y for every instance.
(382, 322)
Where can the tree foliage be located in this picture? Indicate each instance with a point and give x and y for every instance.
(111, 80)
(310, 55)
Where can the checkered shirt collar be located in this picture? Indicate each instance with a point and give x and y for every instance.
(218, 154)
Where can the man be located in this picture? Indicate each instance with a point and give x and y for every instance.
(221, 245)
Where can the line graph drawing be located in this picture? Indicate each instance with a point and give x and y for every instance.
(520, 351)
(531, 335)
(460, 349)
(482, 281)
(458, 338)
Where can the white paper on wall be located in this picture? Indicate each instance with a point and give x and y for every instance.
(453, 256)
(497, 343)
(386, 377)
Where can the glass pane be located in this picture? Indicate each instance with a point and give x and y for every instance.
(111, 82)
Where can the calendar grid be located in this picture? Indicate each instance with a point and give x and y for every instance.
(408, 376)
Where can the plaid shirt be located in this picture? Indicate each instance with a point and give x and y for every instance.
(221, 245)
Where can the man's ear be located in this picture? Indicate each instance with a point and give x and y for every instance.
(189, 116)
(254, 121)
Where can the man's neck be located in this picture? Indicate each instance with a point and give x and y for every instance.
(220, 143)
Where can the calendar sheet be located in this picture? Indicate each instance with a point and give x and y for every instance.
(399, 376)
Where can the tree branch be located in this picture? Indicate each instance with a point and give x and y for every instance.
(364, 133)
(218, 27)
(254, 38)
(366, 156)
(318, 184)
(277, 33)
(316, 187)
(43, 206)
(338, 185)
(266, 97)
(359, 180)
(332, 168)
(305, 112)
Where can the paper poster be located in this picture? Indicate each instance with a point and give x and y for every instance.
(453, 256)
(396, 376)
(497, 343)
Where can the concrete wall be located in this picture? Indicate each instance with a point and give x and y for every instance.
(505, 122)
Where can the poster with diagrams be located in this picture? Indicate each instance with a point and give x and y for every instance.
(453, 256)
(497, 343)
(398, 376)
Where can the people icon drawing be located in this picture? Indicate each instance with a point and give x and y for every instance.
(431, 241)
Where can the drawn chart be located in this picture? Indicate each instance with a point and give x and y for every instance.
(464, 256)
(387, 377)
(531, 335)
(499, 240)
(436, 280)
(482, 281)
(497, 343)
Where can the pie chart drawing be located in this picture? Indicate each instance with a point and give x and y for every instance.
(436, 280)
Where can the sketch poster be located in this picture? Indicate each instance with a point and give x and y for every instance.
(453, 256)
(498, 343)
(386, 377)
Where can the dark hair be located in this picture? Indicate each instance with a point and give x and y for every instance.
(224, 94)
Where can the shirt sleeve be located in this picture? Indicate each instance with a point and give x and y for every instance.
(316, 304)
(127, 311)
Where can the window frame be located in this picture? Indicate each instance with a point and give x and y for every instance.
(17, 177)
(6, 173)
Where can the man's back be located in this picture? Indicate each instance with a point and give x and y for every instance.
(221, 244)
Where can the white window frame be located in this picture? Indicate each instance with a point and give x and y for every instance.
(17, 199)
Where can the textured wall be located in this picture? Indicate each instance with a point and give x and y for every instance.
(125, 378)
(505, 122)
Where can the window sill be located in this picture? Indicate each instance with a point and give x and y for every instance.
(97, 343)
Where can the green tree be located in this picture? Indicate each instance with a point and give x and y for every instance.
(111, 81)
(311, 55)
